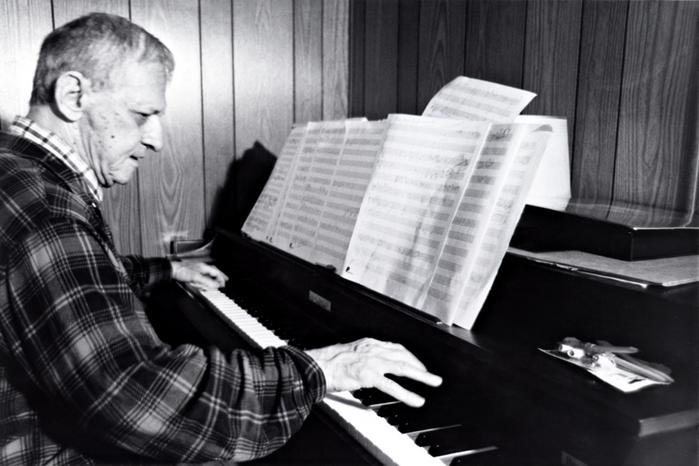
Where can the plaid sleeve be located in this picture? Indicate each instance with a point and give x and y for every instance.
(146, 271)
(88, 352)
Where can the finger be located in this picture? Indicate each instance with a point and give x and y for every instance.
(392, 388)
(212, 271)
(421, 375)
(205, 282)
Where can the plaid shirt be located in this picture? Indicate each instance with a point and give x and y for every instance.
(83, 377)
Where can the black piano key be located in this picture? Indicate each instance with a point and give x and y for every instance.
(495, 457)
(430, 416)
(457, 439)
(373, 396)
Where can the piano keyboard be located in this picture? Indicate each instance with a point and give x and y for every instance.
(374, 432)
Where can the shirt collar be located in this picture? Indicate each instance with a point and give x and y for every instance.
(58, 148)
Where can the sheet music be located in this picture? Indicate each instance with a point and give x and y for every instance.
(477, 100)
(316, 187)
(290, 209)
(261, 221)
(468, 230)
(419, 177)
(501, 225)
(353, 171)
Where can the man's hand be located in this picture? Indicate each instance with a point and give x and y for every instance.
(364, 363)
(198, 274)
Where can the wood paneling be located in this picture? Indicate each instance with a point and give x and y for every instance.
(217, 96)
(408, 59)
(623, 73)
(442, 46)
(308, 60)
(335, 58)
(171, 182)
(658, 120)
(381, 58)
(551, 56)
(599, 90)
(357, 41)
(263, 61)
(495, 41)
(23, 25)
(121, 202)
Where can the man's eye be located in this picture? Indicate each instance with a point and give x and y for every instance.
(141, 117)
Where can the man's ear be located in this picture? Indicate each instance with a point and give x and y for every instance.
(70, 94)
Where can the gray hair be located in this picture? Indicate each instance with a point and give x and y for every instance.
(94, 45)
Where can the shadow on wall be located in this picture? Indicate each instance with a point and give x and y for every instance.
(244, 181)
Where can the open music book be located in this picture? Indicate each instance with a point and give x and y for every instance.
(419, 208)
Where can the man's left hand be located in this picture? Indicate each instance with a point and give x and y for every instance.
(198, 274)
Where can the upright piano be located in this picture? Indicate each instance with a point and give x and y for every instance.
(503, 402)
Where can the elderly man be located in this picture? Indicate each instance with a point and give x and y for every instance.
(83, 377)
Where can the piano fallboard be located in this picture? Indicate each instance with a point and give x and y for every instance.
(542, 411)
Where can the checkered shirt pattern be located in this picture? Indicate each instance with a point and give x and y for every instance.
(26, 128)
(83, 377)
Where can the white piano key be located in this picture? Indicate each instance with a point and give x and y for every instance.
(371, 430)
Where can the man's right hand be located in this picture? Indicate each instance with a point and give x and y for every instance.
(365, 363)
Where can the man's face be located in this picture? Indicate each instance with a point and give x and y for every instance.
(122, 121)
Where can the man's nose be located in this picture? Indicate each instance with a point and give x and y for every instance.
(152, 133)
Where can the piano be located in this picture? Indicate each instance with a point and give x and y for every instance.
(503, 402)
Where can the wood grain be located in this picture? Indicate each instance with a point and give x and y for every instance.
(381, 58)
(657, 148)
(172, 182)
(551, 57)
(217, 97)
(357, 41)
(442, 46)
(495, 41)
(263, 61)
(599, 90)
(335, 58)
(23, 26)
(308, 60)
(408, 36)
(121, 202)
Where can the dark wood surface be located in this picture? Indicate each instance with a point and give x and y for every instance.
(494, 375)
(621, 72)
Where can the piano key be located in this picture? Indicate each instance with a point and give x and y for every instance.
(371, 430)
(459, 439)
(372, 396)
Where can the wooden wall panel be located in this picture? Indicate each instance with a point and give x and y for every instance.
(381, 58)
(357, 49)
(599, 90)
(308, 56)
(335, 58)
(263, 63)
(23, 25)
(408, 59)
(551, 56)
(172, 182)
(658, 120)
(495, 41)
(442, 46)
(217, 96)
(121, 202)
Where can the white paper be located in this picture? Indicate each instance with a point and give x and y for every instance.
(352, 173)
(551, 185)
(262, 220)
(477, 100)
(418, 180)
(284, 231)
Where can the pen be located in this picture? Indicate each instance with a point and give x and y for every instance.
(595, 349)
